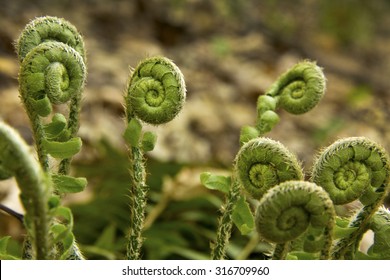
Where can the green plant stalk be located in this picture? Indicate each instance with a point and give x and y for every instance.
(35, 189)
(138, 198)
(155, 95)
(225, 222)
(73, 126)
(38, 135)
(52, 57)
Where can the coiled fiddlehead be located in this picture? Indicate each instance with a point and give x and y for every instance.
(35, 186)
(53, 71)
(156, 91)
(46, 29)
(292, 208)
(263, 163)
(297, 91)
(155, 94)
(354, 168)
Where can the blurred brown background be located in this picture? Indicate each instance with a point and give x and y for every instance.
(229, 52)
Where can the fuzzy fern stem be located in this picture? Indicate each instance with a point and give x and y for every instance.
(225, 223)
(155, 95)
(35, 186)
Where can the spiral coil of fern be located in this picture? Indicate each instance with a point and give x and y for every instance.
(349, 169)
(292, 208)
(53, 71)
(263, 163)
(35, 186)
(156, 91)
(297, 91)
(155, 95)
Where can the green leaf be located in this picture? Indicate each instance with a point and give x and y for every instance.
(57, 125)
(41, 106)
(54, 202)
(132, 133)
(59, 232)
(68, 184)
(342, 222)
(62, 150)
(107, 239)
(65, 213)
(341, 228)
(248, 133)
(215, 182)
(149, 141)
(67, 243)
(340, 232)
(242, 217)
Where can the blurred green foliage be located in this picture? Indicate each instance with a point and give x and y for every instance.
(182, 231)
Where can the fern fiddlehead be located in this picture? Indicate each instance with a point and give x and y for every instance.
(297, 91)
(292, 208)
(35, 186)
(156, 91)
(263, 163)
(155, 95)
(349, 169)
(53, 71)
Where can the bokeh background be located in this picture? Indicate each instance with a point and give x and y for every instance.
(230, 52)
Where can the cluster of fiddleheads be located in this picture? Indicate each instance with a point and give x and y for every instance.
(299, 216)
(263, 163)
(155, 95)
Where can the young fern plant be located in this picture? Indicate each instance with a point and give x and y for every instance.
(297, 91)
(299, 217)
(155, 95)
(52, 72)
